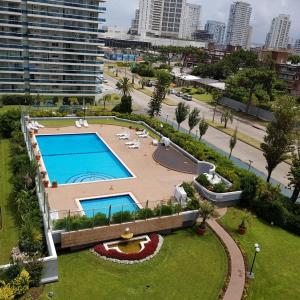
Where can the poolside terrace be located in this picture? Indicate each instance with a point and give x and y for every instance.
(152, 182)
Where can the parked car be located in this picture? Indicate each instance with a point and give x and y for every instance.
(179, 94)
(187, 97)
(173, 91)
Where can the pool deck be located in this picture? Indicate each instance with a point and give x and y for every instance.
(152, 181)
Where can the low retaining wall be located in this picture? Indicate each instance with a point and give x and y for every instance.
(220, 199)
(253, 111)
(105, 233)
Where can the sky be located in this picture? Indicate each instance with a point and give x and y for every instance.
(262, 13)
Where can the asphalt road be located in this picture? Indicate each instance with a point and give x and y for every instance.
(242, 151)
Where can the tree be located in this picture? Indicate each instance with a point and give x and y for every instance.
(294, 59)
(216, 95)
(124, 86)
(226, 116)
(125, 106)
(203, 126)
(279, 140)
(232, 142)
(181, 112)
(143, 81)
(294, 174)
(206, 211)
(194, 119)
(105, 99)
(163, 81)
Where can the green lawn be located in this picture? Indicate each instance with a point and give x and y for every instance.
(277, 265)
(9, 232)
(187, 267)
(207, 98)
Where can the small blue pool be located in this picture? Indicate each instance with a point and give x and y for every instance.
(75, 158)
(101, 205)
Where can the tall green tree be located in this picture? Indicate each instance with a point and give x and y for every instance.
(181, 113)
(124, 86)
(226, 117)
(232, 142)
(279, 140)
(193, 119)
(143, 81)
(294, 174)
(105, 99)
(203, 126)
(162, 83)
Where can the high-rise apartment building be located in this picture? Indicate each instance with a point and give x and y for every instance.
(167, 18)
(50, 47)
(278, 36)
(217, 29)
(135, 22)
(297, 46)
(238, 30)
(190, 20)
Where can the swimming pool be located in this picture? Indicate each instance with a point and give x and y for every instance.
(76, 158)
(101, 205)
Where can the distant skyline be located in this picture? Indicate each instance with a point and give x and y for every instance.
(120, 13)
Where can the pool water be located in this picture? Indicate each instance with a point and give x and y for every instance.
(101, 205)
(75, 158)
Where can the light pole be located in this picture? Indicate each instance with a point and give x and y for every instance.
(250, 164)
(257, 250)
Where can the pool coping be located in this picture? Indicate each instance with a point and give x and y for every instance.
(81, 210)
(85, 182)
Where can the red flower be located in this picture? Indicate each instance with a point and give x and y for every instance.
(149, 249)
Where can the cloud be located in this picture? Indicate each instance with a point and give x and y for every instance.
(120, 12)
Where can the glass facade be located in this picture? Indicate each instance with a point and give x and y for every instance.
(50, 47)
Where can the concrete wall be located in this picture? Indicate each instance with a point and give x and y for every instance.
(220, 199)
(254, 111)
(105, 233)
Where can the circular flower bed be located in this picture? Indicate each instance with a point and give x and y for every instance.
(150, 250)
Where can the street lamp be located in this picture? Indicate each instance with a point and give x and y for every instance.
(84, 111)
(257, 250)
(250, 164)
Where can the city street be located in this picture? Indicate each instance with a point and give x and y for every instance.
(242, 151)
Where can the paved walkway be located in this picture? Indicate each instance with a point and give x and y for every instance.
(237, 278)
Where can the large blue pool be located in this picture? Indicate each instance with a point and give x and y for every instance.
(75, 158)
(101, 205)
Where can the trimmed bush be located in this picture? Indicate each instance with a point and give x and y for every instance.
(219, 188)
(122, 216)
(202, 179)
(144, 213)
(189, 189)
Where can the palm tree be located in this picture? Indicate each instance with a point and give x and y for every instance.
(194, 118)
(105, 99)
(232, 142)
(226, 116)
(206, 210)
(181, 113)
(143, 81)
(124, 86)
(203, 126)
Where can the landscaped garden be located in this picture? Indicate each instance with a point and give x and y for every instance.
(278, 262)
(187, 267)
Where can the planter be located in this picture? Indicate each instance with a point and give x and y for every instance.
(201, 230)
(36, 131)
(43, 174)
(46, 183)
(34, 145)
(242, 230)
(38, 157)
(54, 184)
(30, 134)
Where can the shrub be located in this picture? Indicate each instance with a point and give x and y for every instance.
(21, 283)
(100, 219)
(9, 122)
(188, 189)
(122, 216)
(145, 213)
(163, 210)
(202, 179)
(193, 204)
(13, 271)
(219, 188)
(6, 291)
(35, 269)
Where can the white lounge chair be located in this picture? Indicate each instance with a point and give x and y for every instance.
(77, 124)
(131, 142)
(85, 123)
(141, 132)
(36, 124)
(30, 126)
(135, 146)
(144, 135)
(121, 134)
(155, 142)
(125, 137)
